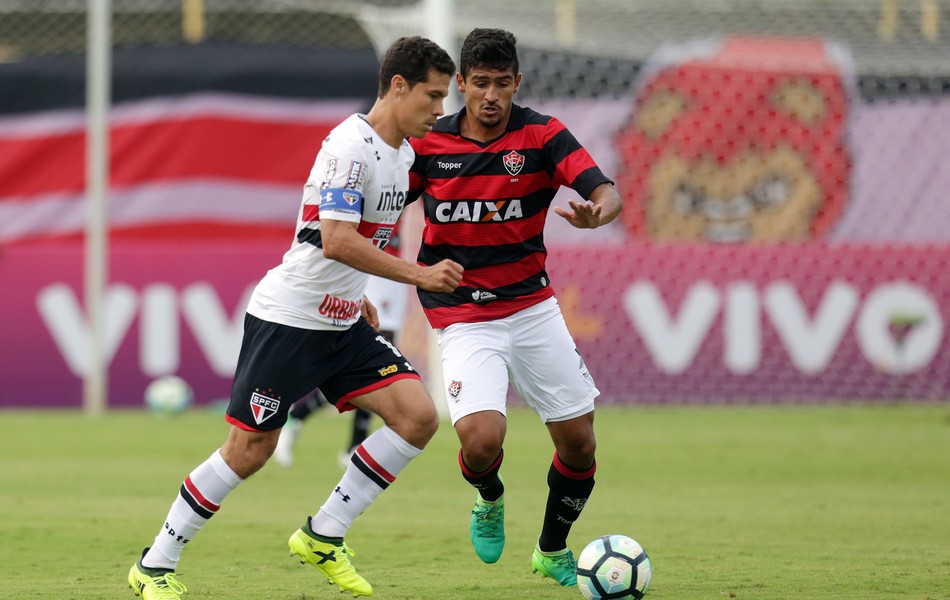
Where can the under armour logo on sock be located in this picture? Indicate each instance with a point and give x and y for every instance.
(346, 498)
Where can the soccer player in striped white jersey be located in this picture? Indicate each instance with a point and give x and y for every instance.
(307, 327)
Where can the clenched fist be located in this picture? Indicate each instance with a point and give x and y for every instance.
(443, 276)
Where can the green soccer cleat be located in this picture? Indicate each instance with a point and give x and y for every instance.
(332, 560)
(559, 566)
(155, 584)
(488, 529)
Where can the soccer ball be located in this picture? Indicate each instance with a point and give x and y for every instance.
(168, 395)
(613, 566)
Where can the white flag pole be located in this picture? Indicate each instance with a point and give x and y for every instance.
(98, 86)
(440, 28)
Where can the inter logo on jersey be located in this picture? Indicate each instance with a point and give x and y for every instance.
(263, 407)
(513, 162)
(391, 200)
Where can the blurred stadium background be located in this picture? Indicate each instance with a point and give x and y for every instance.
(786, 231)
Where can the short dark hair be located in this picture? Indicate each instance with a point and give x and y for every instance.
(493, 49)
(413, 57)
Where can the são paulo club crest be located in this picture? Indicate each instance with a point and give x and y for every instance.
(263, 407)
(513, 162)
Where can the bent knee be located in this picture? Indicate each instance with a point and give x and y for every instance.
(247, 458)
(419, 425)
(578, 455)
(481, 452)
(428, 422)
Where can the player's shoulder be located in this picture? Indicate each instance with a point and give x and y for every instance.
(444, 129)
(447, 124)
(440, 134)
(522, 116)
(352, 137)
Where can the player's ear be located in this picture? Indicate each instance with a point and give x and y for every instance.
(517, 83)
(398, 84)
(460, 83)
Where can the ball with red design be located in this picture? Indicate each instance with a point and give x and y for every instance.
(613, 567)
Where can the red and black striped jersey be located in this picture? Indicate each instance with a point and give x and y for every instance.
(485, 208)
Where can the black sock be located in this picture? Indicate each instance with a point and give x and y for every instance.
(310, 403)
(360, 427)
(487, 482)
(569, 490)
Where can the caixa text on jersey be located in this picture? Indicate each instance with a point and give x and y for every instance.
(478, 210)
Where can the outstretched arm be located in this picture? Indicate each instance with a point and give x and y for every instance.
(602, 208)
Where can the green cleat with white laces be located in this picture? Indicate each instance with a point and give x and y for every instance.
(332, 560)
(488, 529)
(155, 584)
(559, 566)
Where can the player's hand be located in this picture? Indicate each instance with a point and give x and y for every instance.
(443, 276)
(583, 215)
(369, 312)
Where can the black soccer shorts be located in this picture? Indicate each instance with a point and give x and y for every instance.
(279, 364)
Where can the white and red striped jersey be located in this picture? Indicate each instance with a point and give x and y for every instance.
(356, 177)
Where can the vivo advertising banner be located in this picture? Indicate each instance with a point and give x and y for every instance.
(655, 323)
(811, 322)
(170, 308)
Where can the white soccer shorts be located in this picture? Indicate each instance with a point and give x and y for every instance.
(534, 348)
(390, 299)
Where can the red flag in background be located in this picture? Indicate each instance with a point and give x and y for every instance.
(197, 166)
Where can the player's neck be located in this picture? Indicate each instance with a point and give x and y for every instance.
(471, 128)
(383, 121)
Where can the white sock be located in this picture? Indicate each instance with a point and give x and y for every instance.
(198, 500)
(375, 464)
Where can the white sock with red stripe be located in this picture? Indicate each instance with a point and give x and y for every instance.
(375, 464)
(198, 500)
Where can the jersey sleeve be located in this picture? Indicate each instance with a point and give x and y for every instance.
(344, 177)
(573, 165)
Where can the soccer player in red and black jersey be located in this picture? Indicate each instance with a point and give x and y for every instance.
(487, 176)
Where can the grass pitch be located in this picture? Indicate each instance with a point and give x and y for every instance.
(780, 502)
